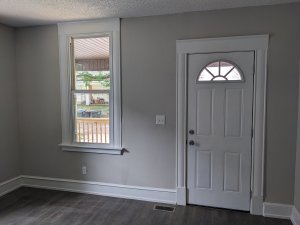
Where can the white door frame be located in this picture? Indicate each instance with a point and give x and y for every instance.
(258, 44)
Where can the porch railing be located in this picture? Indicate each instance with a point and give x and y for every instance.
(92, 130)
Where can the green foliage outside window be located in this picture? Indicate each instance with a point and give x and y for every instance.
(87, 78)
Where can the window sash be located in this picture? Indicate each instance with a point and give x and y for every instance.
(74, 91)
(72, 57)
(74, 113)
(93, 91)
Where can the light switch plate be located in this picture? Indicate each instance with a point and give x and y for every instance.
(160, 119)
(84, 170)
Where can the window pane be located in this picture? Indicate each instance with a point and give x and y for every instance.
(92, 118)
(234, 75)
(91, 56)
(213, 68)
(225, 68)
(219, 79)
(205, 76)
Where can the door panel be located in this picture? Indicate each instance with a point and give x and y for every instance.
(204, 111)
(233, 112)
(203, 169)
(220, 112)
(232, 171)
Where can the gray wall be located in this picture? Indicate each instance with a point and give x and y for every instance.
(9, 151)
(297, 176)
(148, 88)
(297, 167)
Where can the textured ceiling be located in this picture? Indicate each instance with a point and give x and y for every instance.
(37, 12)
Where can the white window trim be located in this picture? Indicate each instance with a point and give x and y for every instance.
(88, 29)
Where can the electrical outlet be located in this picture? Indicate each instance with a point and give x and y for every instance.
(160, 119)
(84, 170)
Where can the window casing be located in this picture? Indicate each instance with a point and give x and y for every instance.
(85, 109)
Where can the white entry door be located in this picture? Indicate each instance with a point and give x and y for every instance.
(220, 95)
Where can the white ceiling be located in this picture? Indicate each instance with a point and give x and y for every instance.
(38, 12)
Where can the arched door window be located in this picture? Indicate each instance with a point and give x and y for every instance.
(220, 70)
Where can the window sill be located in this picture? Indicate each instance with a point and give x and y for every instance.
(91, 149)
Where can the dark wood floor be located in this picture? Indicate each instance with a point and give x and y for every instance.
(44, 207)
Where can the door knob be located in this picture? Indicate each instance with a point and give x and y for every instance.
(191, 131)
(191, 142)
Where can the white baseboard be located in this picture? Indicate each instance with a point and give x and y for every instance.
(275, 210)
(10, 185)
(105, 189)
(295, 218)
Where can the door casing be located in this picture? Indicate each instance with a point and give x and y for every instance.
(256, 43)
